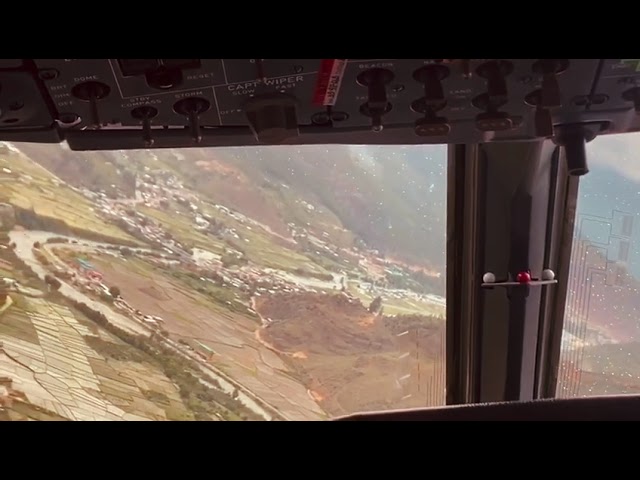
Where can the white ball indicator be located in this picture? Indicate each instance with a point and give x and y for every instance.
(489, 278)
(547, 274)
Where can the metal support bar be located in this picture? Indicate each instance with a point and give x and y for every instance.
(562, 215)
(500, 198)
(464, 216)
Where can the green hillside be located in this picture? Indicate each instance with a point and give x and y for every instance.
(388, 198)
(392, 198)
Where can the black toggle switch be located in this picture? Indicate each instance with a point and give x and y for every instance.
(431, 77)
(375, 115)
(431, 125)
(92, 92)
(273, 117)
(495, 72)
(550, 68)
(145, 114)
(543, 121)
(192, 108)
(376, 80)
(377, 105)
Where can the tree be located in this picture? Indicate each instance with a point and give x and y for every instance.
(52, 282)
(36, 244)
(114, 291)
(375, 305)
(106, 298)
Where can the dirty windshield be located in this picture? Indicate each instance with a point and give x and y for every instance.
(273, 283)
(601, 340)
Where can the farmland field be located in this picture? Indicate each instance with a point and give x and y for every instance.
(72, 368)
(29, 186)
(192, 317)
(294, 284)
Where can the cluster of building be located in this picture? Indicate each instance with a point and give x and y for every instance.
(154, 189)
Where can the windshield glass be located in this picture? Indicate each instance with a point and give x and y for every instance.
(272, 283)
(601, 341)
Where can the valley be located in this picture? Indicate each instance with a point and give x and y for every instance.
(282, 297)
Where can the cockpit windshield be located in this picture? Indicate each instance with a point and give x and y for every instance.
(270, 283)
(600, 348)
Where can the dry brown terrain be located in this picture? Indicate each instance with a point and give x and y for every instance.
(190, 316)
(352, 360)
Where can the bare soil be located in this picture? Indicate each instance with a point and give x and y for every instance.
(352, 360)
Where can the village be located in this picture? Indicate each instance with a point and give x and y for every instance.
(225, 266)
(159, 190)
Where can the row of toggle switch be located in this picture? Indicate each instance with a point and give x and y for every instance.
(272, 116)
(494, 72)
(191, 108)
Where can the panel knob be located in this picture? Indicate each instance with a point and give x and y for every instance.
(272, 117)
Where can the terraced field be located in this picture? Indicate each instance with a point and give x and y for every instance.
(26, 185)
(229, 337)
(72, 368)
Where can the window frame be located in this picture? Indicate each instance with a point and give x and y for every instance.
(513, 197)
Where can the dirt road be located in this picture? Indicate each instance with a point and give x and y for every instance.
(24, 249)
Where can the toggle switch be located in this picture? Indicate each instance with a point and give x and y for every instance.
(377, 105)
(145, 114)
(431, 125)
(192, 108)
(431, 77)
(550, 68)
(543, 121)
(92, 92)
(495, 73)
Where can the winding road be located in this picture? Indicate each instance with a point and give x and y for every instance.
(24, 240)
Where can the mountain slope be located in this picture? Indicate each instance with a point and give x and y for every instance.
(392, 198)
(97, 171)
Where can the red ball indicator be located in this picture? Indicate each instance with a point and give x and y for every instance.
(523, 277)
